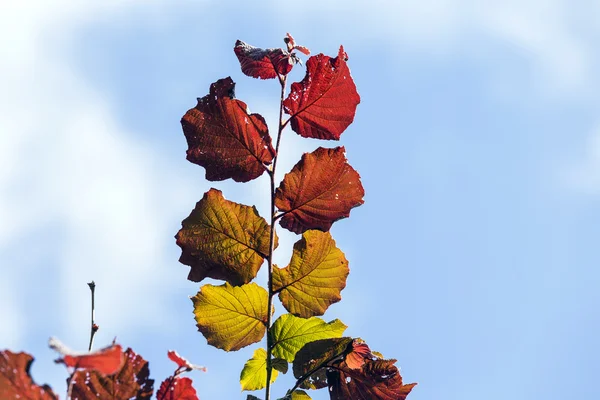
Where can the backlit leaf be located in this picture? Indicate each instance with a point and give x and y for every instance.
(105, 361)
(231, 317)
(312, 359)
(321, 189)
(223, 138)
(315, 277)
(262, 63)
(182, 362)
(375, 380)
(254, 374)
(291, 333)
(323, 104)
(223, 240)
(299, 395)
(130, 382)
(176, 388)
(16, 381)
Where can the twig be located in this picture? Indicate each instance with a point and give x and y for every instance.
(94, 327)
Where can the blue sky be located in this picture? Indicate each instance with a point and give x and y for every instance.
(473, 260)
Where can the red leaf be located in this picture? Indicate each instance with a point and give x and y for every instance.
(321, 189)
(359, 354)
(106, 361)
(182, 362)
(261, 63)
(15, 380)
(323, 104)
(223, 138)
(176, 388)
(130, 382)
(291, 45)
(375, 380)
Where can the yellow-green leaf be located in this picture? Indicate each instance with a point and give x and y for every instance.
(223, 240)
(300, 395)
(231, 317)
(254, 374)
(291, 333)
(315, 277)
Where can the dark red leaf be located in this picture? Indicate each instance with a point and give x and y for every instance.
(263, 63)
(130, 382)
(323, 104)
(223, 138)
(15, 380)
(291, 45)
(321, 189)
(375, 380)
(176, 388)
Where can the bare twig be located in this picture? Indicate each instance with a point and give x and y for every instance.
(94, 327)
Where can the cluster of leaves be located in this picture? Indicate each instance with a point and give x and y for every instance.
(229, 241)
(109, 373)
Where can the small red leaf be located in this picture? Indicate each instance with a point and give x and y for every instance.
(223, 138)
(262, 63)
(16, 381)
(176, 388)
(302, 49)
(321, 189)
(182, 362)
(323, 104)
(131, 381)
(359, 354)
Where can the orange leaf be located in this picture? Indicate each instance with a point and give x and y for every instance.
(15, 379)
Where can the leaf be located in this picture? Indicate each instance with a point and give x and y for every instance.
(375, 380)
(183, 363)
(359, 355)
(231, 317)
(224, 138)
(263, 64)
(323, 104)
(223, 240)
(300, 395)
(321, 189)
(280, 364)
(251, 397)
(130, 382)
(106, 361)
(177, 388)
(312, 359)
(254, 373)
(16, 381)
(315, 277)
(291, 333)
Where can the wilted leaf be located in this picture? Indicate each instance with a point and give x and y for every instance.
(315, 356)
(130, 382)
(223, 138)
(375, 380)
(262, 63)
(291, 333)
(254, 373)
(176, 388)
(315, 277)
(323, 104)
(182, 362)
(231, 317)
(321, 189)
(223, 240)
(16, 381)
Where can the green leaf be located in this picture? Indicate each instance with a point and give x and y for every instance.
(251, 397)
(315, 277)
(231, 317)
(254, 373)
(291, 333)
(223, 240)
(280, 365)
(316, 355)
(296, 395)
